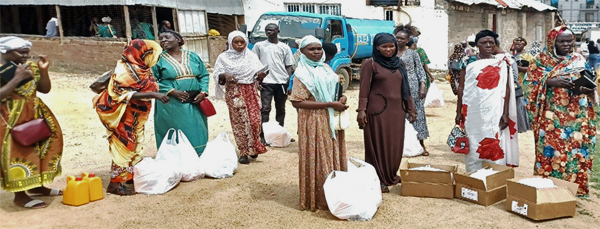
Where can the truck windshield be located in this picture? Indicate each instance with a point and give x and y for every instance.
(289, 26)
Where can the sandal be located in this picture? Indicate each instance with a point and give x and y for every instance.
(122, 190)
(384, 188)
(425, 153)
(53, 192)
(35, 204)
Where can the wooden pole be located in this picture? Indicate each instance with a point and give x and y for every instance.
(154, 23)
(128, 32)
(60, 27)
(175, 19)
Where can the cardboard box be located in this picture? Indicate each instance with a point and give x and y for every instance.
(474, 190)
(427, 183)
(541, 204)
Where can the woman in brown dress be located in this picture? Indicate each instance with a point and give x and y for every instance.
(384, 99)
(321, 148)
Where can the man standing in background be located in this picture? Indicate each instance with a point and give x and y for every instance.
(52, 27)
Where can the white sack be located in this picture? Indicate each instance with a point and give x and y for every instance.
(538, 182)
(276, 135)
(482, 174)
(434, 97)
(152, 176)
(178, 150)
(219, 159)
(412, 147)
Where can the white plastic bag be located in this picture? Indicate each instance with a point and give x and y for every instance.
(276, 135)
(219, 159)
(151, 176)
(168, 148)
(189, 160)
(353, 195)
(412, 147)
(435, 96)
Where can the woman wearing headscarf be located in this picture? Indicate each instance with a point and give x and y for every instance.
(321, 149)
(124, 107)
(239, 73)
(384, 96)
(522, 61)
(564, 123)
(489, 119)
(455, 64)
(27, 168)
(105, 29)
(181, 74)
(417, 79)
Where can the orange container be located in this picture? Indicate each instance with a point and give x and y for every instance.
(96, 191)
(77, 192)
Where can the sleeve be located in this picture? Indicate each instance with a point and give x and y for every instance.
(533, 86)
(256, 49)
(405, 90)
(299, 92)
(162, 86)
(366, 74)
(421, 76)
(289, 57)
(424, 57)
(203, 76)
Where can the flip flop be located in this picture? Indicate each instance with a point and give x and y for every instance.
(53, 192)
(35, 204)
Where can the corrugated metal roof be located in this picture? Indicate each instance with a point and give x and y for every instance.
(513, 4)
(228, 7)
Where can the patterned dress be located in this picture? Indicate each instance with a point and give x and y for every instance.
(319, 153)
(243, 102)
(563, 123)
(416, 75)
(425, 61)
(189, 75)
(26, 167)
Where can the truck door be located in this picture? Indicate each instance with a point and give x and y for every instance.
(334, 33)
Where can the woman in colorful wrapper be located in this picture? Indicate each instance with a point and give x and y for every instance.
(27, 168)
(564, 123)
(489, 119)
(124, 107)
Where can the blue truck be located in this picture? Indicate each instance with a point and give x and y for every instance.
(353, 37)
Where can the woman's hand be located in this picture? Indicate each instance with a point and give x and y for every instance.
(412, 116)
(199, 98)
(338, 106)
(227, 78)
(22, 73)
(161, 97)
(43, 63)
(343, 99)
(261, 75)
(180, 95)
(422, 91)
(361, 118)
(459, 118)
(560, 82)
(504, 122)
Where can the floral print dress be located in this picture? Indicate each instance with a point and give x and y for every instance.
(416, 75)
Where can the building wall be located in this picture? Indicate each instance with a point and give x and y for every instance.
(463, 21)
(433, 25)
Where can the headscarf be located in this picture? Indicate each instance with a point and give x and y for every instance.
(106, 19)
(320, 81)
(177, 35)
(486, 33)
(392, 63)
(520, 39)
(243, 65)
(535, 48)
(11, 43)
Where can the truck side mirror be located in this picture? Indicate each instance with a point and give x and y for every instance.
(244, 28)
(319, 33)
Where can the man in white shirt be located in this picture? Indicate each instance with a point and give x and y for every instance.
(278, 56)
(584, 48)
(52, 27)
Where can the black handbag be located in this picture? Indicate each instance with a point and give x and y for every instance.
(102, 82)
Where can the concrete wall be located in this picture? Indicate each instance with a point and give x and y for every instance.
(463, 21)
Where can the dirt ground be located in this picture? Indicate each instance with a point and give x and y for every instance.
(263, 194)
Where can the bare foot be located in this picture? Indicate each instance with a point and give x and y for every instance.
(425, 153)
(23, 200)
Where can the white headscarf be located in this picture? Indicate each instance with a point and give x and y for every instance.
(106, 19)
(12, 43)
(320, 81)
(243, 65)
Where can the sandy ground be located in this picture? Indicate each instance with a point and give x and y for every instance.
(263, 194)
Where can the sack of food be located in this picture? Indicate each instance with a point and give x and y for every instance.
(219, 159)
(276, 135)
(412, 146)
(434, 97)
(353, 195)
(177, 149)
(151, 176)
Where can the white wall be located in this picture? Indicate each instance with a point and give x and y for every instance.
(350, 8)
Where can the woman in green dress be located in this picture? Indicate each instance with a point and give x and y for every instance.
(105, 29)
(181, 74)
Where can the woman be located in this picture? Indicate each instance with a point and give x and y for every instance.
(523, 59)
(424, 60)
(455, 63)
(105, 29)
(123, 109)
(27, 168)
(181, 74)
(488, 118)
(594, 54)
(238, 72)
(564, 124)
(321, 148)
(384, 95)
(416, 81)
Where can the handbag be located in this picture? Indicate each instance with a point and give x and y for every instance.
(102, 82)
(207, 107)
(458, 141)
(341, 120)
(29, 133)
(455, 64)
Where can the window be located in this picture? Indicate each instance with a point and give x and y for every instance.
(333, 31)
(589, 17)
(334, 9)
(389, 15)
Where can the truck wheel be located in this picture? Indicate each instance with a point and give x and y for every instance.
(344, 78)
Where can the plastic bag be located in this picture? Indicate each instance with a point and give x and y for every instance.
(276, 135)
(435, 96)
(219, 159)
(168, 148)
(178, 150)
(151, 176)
(412, 147)
(353, 195)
